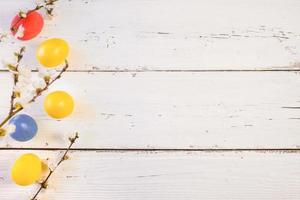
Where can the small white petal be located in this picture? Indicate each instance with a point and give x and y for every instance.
(20, 86)
(46, 72)
(22, 101)
(20, 32)
(39, 84)
(24, 71)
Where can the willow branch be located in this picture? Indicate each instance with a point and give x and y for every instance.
(23, 15)
(39, 92)
(19, 56)
(8, 117)
(48, 84)
(43, 185)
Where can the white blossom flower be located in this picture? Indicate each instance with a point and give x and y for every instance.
(20, 32)
(43, 72)
(24, 87)
(24, 99)
(39, 84)
(24, 79)
(24, 72)
(19, 87)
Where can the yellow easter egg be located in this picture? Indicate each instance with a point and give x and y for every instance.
(26, 170)
(52, 52)
(59, 104)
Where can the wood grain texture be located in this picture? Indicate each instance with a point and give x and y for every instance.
(172, 110)
(157, 74)
(163, 176)
(171, 35)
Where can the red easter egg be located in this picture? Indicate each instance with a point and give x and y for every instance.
(32, 25)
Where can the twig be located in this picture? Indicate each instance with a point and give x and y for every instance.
(18, 108)
(19, 56)
(23, 15)
(49, 83)
(8, 117)
(43, 185)
(15, 108)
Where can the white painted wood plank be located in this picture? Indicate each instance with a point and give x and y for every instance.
(172, 110)
(171, 35)
(164, 176)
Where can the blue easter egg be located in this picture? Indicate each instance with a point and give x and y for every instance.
(26, 127)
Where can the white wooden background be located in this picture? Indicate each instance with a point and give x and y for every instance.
(175, 99)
